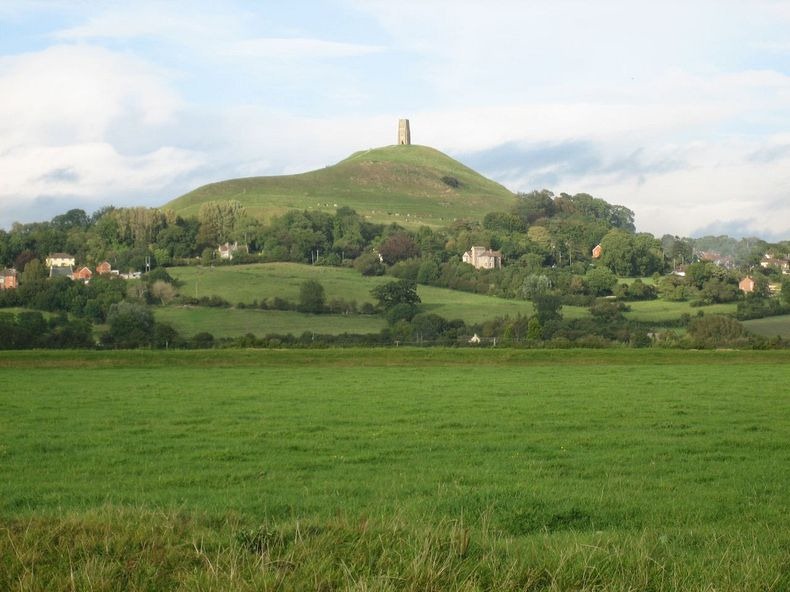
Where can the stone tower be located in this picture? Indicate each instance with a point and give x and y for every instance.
(404, 134)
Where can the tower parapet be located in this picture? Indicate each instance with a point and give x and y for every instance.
(404, 133)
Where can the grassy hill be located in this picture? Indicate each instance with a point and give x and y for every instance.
(411, 185)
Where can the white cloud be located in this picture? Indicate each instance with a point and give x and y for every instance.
(58, 107)
(74, 93)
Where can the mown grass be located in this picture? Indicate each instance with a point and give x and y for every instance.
(395, 469)
(770, 326)
(400, 184)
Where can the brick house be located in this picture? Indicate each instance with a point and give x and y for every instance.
(83, 273)
(596, 252)
(104, 268)
(482, 258)
(747, 284)
(9, 279)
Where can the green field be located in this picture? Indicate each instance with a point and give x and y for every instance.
(657, 311)
(395, 470)
(228, 322)
(257, 282)
(263, 281)
(770, 326)
(400, 184)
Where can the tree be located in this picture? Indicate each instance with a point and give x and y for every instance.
(312, 297)
(618, 252)
(548, 307)
(392, 293)
(131, 325)
(534, 205)
(218, 221)
(397, 247)
(162, 291)
(534, 285)
(786, 290)
(504, 221)
(428, 271)
(600, 281)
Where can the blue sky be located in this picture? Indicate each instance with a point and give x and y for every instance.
(677, 110)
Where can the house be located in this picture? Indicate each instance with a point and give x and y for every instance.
(779, 263)
(596, 252)
(726, 261)
(482, 258)
(60, 260)
(747, 284)
(9, 279)
(104, 268)
(83, 274)
(226, 251)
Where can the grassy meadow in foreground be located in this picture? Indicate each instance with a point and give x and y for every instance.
(395, 469)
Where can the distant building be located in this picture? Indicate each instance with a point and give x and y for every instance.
(597, 251)
(747, 284)
(226, 251)
(779, 263)
(104, 268)
(404, 132)
(482, 258)
(60, 260)
(716, 258)
(9, 279)
(83, 274)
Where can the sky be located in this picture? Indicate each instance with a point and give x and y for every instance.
(678, 110)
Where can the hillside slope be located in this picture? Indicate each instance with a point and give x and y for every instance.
(411, 185)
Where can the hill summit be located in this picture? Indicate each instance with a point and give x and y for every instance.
(408, 184)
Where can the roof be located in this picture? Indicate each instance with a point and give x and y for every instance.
(9, 272)
(60, 256)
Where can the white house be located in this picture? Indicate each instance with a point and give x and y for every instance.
(482, 258)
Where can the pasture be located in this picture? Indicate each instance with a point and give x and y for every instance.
(229, 322)
(394, 469)
(262, 281)
(770, 326)
(658, 311)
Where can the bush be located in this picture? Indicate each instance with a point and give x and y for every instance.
(312, 297)
(202, 340)
(716, 330)
(368, 264)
